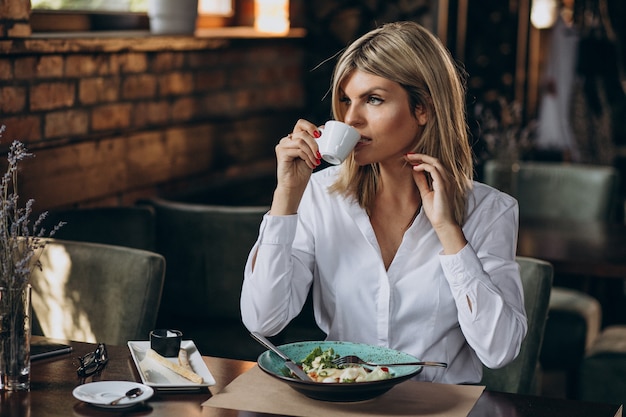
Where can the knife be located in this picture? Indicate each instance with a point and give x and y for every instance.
(288, 362)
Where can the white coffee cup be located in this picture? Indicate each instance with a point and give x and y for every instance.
(337, 141)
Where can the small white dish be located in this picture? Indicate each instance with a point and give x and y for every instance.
(101, 393)
(163, 379)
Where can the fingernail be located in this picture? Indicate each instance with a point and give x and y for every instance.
(318, 154)
(317, 134)
(318, 161)
(410, 153)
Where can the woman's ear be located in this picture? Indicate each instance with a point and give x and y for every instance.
(421, 115)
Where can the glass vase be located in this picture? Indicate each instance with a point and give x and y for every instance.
(15, 333)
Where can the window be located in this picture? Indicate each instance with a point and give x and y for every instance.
(92, 5)
(210, 7)
(97, 15)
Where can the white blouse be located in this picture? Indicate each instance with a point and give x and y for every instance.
(465, 309)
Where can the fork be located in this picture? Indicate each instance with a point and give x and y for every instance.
(355, 360)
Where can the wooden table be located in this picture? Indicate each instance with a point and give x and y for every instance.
(53, 380)
(593, 249)
(588, 256)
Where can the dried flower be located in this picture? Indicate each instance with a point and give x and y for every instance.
(21, 242)
(503, 131)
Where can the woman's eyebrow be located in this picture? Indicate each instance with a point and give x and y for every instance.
(367, 92)
(372, 91)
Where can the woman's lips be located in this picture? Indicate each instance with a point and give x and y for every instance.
(362, 142)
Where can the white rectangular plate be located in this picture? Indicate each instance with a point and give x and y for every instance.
(161, 378)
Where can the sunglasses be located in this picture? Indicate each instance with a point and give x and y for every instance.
(93, 362)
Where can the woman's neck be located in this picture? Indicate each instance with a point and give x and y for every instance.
(397, 181)
(394, 208)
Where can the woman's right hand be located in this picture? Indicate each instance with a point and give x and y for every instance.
(297, 154)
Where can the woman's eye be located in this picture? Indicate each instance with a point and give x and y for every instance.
(374, 100)
(344, 100)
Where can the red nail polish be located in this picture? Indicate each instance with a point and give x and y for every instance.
(318, 154)
(318, 161)
(317, 134)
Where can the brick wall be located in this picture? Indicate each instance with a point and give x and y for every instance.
(115, 119)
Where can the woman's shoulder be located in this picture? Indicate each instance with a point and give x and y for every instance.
(492, 217)
(485, 195)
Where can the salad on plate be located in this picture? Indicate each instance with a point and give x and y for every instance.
(320, 367)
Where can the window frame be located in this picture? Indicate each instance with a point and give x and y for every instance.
(87, 21)
(43, 21)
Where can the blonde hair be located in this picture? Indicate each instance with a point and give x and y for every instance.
(407, 53)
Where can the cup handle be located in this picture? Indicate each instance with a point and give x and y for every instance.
(321, 140)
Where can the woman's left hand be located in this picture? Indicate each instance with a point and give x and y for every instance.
(436, 193)
(437, 199)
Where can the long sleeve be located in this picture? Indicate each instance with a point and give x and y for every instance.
(486, 286)
(275, 290)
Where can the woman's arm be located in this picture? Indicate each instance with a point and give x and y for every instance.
(276, 281)
(275, 290)
(485, 281)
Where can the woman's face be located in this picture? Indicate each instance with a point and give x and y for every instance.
(379, 109)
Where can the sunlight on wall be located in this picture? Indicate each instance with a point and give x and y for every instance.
(217, 7)
(58, 311)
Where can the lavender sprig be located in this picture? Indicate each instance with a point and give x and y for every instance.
(21, 242)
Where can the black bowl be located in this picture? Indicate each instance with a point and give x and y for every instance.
(358, 391)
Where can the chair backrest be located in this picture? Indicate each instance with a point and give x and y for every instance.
(206, 247)
(557, 190)
(93, 292)
(131, 226)
(520, 375)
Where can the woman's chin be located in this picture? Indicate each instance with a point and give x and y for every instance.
(360, 161)
(361, 157)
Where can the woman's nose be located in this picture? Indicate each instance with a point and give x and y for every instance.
(352, 117)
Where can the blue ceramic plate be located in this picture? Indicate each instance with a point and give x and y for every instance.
(358, 391)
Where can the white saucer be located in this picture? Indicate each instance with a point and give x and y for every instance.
(101, 393)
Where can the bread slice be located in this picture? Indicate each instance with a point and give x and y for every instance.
(183, 359)
(180, 370)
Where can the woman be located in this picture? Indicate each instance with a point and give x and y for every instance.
(400, 247)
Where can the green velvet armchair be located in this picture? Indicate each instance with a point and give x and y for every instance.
(603, 370)
(554, 190)
(93, 292)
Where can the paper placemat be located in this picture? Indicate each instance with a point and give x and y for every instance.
(259, 392)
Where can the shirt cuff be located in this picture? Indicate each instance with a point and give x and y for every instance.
(278, 230)
(462, 266)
